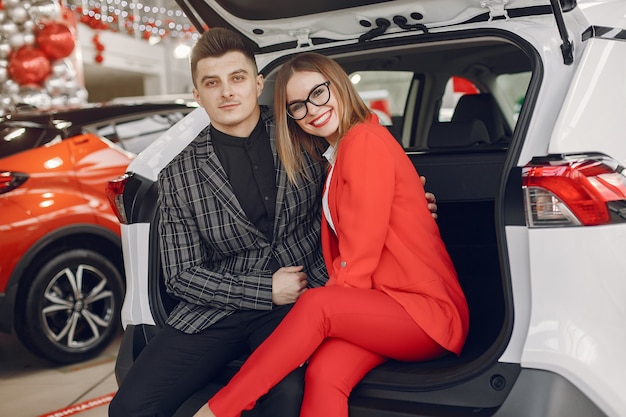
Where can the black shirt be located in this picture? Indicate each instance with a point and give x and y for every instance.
(249, 166)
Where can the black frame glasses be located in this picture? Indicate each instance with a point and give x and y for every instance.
(298, 109)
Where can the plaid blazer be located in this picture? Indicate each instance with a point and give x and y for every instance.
(215, 261)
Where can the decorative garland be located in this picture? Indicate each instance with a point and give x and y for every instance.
(149, 23)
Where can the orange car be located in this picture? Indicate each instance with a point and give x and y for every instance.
(61, 268)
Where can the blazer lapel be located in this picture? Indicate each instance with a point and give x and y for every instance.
(281, 218)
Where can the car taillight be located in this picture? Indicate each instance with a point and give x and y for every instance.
(115, 194)
(581, 191)
(11, 180)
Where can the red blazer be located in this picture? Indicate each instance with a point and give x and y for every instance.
(386, 237)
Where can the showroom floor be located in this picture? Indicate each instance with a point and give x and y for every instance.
(31, 387)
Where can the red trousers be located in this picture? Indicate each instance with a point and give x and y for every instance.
(343, 333)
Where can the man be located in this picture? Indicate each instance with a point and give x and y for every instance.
(239, 243)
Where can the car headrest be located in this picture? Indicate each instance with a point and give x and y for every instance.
(457, 134)
(482, 107)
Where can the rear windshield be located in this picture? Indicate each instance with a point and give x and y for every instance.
(15, 139)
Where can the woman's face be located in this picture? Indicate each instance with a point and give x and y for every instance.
(322, 119)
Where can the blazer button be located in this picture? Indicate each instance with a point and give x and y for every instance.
(343, 264)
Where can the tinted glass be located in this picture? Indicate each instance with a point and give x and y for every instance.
(386, 94)
(135, 135)
(16, 139)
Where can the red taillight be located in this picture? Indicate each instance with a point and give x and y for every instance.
(115, 194)
(11, 180)
(573, 192)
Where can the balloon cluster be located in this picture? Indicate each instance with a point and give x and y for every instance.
(35, 49)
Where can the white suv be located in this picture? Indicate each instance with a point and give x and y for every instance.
(515, 111)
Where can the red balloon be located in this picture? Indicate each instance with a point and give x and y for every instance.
(29, 65)
(55, 40)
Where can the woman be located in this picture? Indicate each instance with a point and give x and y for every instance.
(392, 292)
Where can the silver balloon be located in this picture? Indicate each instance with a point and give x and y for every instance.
(55, 85)
(11, 87)
(3, 15)
(5, 50)
(18, 14)
(44, 10)
(5, 101)
(63, 68)
(76, 94)
(74, 101)
(6, 104)
(29, 26)
(72, 87)
(4, 72)
(80, 96)
(29, 39)
(17, 40)
(58, 101)
(9, 4)
(8, 28)
(35, 97)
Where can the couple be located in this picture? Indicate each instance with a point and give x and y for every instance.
(240, 232)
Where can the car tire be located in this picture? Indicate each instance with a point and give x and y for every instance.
(71, 308)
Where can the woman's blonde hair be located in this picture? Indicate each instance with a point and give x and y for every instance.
(291, 140)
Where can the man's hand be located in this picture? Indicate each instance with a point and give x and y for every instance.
(288, 283)
(430, 197)
(205, 411)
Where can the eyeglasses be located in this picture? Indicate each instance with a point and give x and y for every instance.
(319, 95)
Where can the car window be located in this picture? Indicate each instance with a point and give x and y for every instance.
(512, 88)
(134, 135)
(15, 138)
(455, 88)
(386, 93)
(497, 104)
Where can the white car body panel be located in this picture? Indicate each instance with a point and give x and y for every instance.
(556, 75)
(136, 308)
(609, 13)
(517, 243)
(578, 309)
(155, 157)
(594, 113)
(148, 164)
(345, 24)
(573, 269)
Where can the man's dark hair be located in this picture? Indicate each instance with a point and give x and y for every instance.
(216, 42)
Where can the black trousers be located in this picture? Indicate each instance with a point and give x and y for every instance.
(174, 365)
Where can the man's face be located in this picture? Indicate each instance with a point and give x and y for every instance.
(228, 89)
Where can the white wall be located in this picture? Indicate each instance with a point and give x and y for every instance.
(131, 67)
